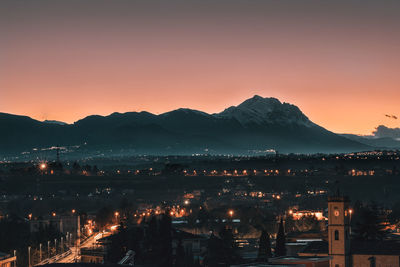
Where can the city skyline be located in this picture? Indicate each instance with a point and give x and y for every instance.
(337, 62)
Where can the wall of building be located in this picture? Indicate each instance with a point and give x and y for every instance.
(380, 260)
(91, 259)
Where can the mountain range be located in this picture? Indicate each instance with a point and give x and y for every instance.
(253, 127)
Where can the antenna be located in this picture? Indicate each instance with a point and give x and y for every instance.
(337, 188)
(58, 154)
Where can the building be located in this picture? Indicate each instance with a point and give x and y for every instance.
(7, 261)
(262, 264)
(93, 254)
(343, 251)
(339, 231)
(65, 224)
(301, 261)
(195, 245)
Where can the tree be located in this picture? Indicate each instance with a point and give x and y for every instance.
(95, 170)
(180, 254)
(394, 216)
(368, 225)
(165, 241)
(264, 251)
(104, 217)
(280, 249)
(228, 246)
(76, 168)
(213, 255)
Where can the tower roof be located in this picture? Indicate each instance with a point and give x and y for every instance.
(338, 199)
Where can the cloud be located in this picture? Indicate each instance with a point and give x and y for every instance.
(391, 116)
(383, 131)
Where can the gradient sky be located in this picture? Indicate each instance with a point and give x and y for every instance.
(339, 61)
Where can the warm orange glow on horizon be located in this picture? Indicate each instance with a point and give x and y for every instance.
(340, 68)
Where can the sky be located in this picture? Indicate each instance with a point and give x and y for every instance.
(338, 61)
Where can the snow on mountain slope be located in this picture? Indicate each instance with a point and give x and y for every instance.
(261, 111)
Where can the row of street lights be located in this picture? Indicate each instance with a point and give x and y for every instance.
(68, 240)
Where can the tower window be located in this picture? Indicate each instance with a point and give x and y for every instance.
(336, 235)
(372, 261)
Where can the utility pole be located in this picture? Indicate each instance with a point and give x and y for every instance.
(58, 154)
(40, 252)
(48, 249)
(29, 256)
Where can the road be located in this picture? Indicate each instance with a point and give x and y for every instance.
(73, 257)
(73, 254)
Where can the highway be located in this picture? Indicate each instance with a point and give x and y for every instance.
(73, 254)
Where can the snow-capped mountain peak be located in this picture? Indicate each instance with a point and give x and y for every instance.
(262, 111)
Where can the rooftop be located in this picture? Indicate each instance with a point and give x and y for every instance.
(316, 248)
(375, 247)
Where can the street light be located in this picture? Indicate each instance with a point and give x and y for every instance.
(29, 256)
(350, 212)
(43, 166)
(231, 213)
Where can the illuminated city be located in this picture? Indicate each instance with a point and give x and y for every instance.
(229, 133)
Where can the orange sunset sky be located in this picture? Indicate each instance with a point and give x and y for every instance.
(339, 61)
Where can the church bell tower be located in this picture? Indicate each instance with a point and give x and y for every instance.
(339, 231)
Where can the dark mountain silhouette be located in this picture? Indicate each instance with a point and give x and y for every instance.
(374, 141)
(258, 124)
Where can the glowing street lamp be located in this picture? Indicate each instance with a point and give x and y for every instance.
(231, 212)
(43, 166)
(350, 212)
